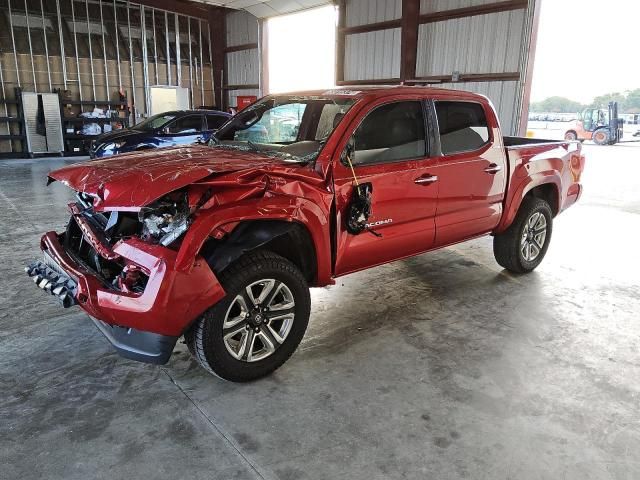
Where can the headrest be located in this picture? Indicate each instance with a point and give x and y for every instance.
(337, 119)
(458, 121)
(403, 130)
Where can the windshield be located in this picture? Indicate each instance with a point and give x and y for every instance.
(293, 128)
(155, 122)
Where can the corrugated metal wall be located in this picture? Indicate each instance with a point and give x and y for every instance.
(372, 55)
(481, 44)
(504, 96)
(242, 66)
(364, 12)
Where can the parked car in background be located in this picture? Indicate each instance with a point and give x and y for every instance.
(220, 244)
(168, 129)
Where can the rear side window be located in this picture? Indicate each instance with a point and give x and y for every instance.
(214, 122)
(190, 124)
(391, 132)
(463, 126)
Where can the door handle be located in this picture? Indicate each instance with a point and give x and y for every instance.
(426, 180)
(493, 169)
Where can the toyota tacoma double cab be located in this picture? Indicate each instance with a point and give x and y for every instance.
(220, 243)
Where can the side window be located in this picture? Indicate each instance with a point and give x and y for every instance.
(214, 122)
(190, 124)
(391, 132)
(463, 126)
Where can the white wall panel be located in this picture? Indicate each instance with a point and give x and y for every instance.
(482, 44)
(503, 95)
(363, 12)
(243, 67)
(431, 6)
(242, 28)
(232, 95)
(372, 55)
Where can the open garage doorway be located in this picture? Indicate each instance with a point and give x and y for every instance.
(301, 54)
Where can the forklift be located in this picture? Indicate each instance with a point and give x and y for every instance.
(602, 126)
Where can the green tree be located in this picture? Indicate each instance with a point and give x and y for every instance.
(556, 105)
(632, 102)
(602, 101)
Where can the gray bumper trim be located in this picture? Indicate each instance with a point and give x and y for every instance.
(137, 345)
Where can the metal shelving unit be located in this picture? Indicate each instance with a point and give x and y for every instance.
(14, 120)
(78, 143)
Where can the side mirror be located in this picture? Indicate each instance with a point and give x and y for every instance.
(165, 130)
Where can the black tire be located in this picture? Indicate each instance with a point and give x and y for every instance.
(205, 338)
(602, 136)
(571, 135)
(508, 246)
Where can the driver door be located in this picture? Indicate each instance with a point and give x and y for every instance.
(391, 153)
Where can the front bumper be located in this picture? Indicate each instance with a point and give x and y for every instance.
(143, 326)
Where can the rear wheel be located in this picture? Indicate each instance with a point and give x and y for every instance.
(260, 322)
(521, 248)
(571, 135)
(601, 137)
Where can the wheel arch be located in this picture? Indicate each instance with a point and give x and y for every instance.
(289, 239)
(548, 192)
(545, 185)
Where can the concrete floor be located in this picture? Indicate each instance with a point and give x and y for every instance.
(441, 366)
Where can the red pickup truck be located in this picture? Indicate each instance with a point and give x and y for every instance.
(221, 243)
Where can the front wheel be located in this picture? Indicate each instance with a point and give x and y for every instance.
(601, 137)
(521, 248)
(259, 323)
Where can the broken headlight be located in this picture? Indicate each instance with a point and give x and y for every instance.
(166, 220)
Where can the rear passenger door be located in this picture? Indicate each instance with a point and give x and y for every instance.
(471, 171)
(391, 153)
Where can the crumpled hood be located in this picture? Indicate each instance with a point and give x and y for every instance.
(130, 181)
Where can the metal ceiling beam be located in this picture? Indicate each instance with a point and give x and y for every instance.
(465, 12)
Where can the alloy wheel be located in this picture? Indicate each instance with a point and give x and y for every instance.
(534, 235)
(258, 320)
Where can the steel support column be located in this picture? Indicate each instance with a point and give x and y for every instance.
(340, 40)
(62, 54)
(217, 42)
(409, 39)
(46, 44)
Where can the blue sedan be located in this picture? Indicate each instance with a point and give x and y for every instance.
(166, 129)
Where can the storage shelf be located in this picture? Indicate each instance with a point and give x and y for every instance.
(12, 137)
(76, 136)
(94, 120)
(90, 102)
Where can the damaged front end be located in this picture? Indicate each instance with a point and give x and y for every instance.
(119, 266)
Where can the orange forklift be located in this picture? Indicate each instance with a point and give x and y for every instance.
(604, 127)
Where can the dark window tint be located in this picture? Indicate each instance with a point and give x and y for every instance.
(190, 124)
(215, 121)
(391, 132)
(463, 126)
